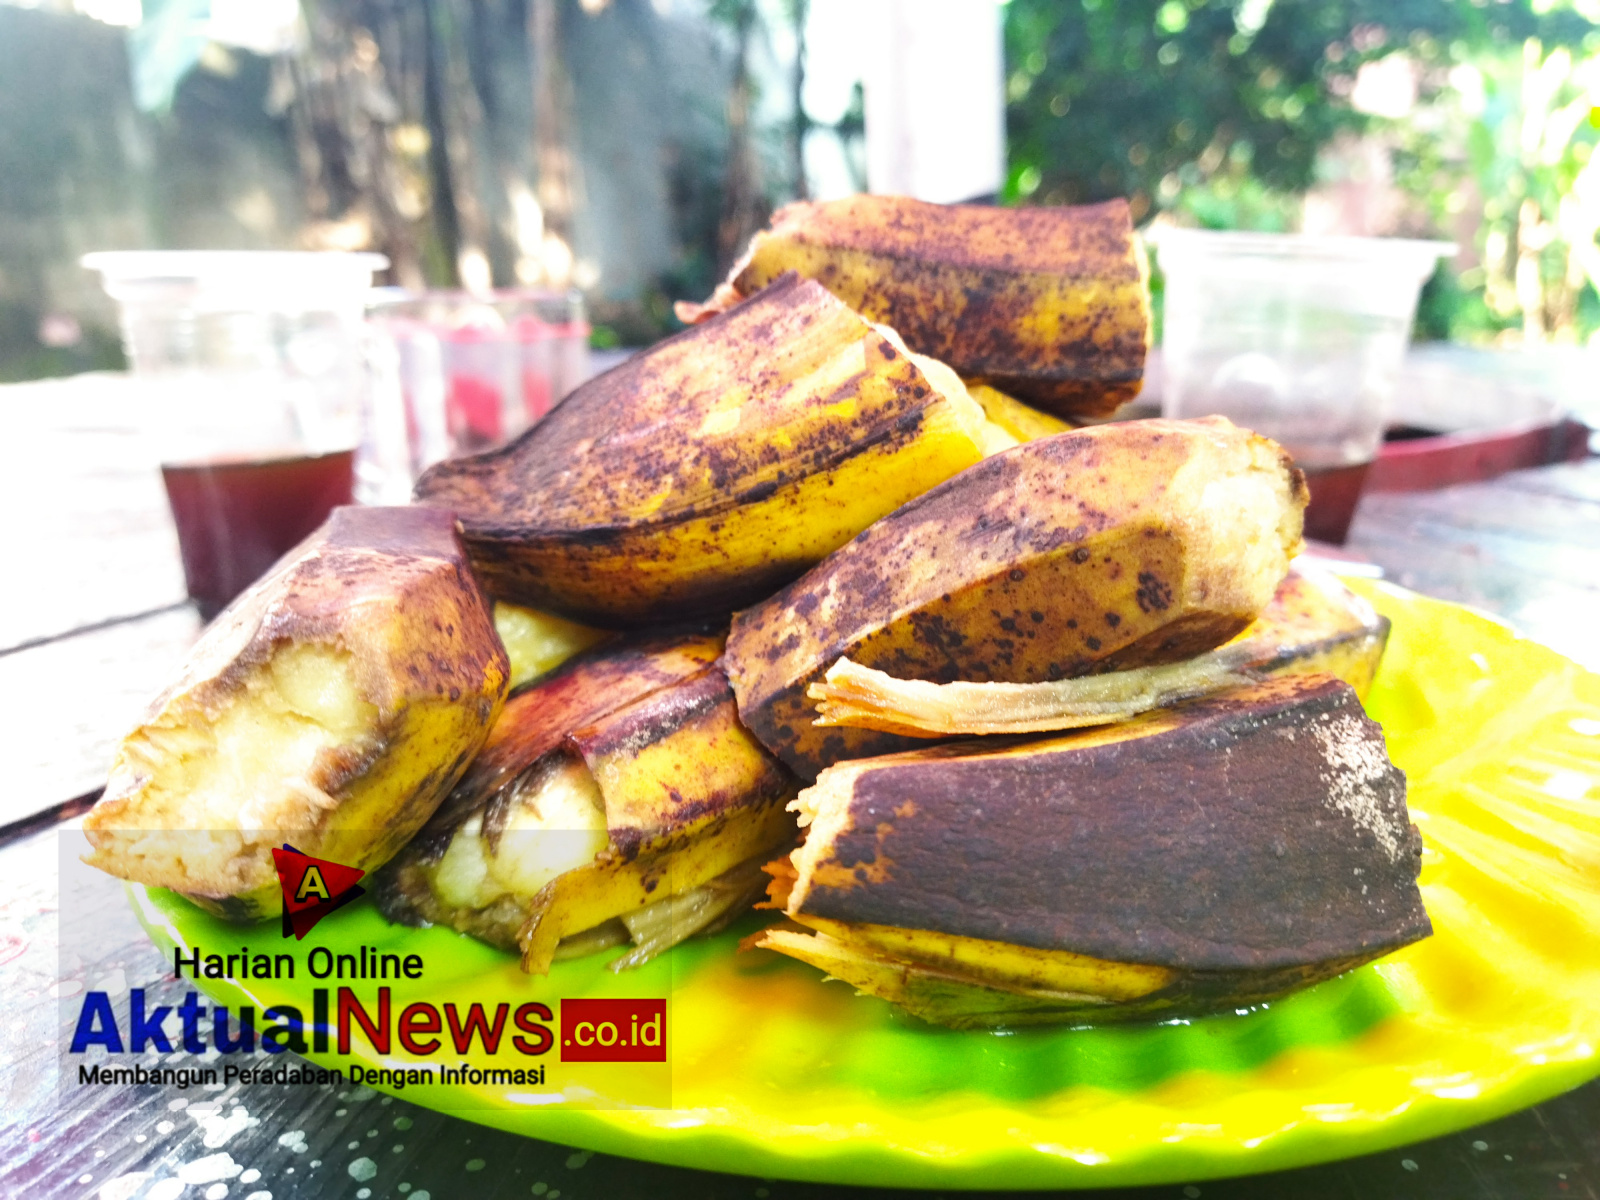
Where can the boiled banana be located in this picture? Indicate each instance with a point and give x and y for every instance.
(1221, 852)
(1050, 305)
(622, 790)
(712, 468)
(331, 706)
(1118, 546)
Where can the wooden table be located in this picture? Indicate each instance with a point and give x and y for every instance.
(94, 620)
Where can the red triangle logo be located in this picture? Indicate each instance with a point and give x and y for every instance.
(312, 888)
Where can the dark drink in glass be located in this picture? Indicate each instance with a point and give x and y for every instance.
(1335, 491)
(236, 517)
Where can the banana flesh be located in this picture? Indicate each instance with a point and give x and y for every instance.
(537, 642)
(1022, 422)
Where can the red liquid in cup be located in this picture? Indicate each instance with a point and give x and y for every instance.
(1335, 492)
(235, 519)
(473, 412)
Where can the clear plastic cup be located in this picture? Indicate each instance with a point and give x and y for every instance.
(1298, 337)
(569, 356)
(536, 347)
(253, 382)
(468, 372)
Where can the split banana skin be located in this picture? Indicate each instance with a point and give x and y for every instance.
(826, 600)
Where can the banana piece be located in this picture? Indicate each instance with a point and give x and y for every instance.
(1313, 624)
(537, 719)
(1051, 305)
(1125, 545)
(331, 706)
(538, 642)
(709, 470)
(1222, 852)
(627, 789)
(1316, 624)
(1022, 422)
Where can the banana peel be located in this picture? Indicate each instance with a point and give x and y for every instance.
(714, 467)
(1051, 305)
(1118, 546)
(1221, 852)
(858, 697)
(1312, 624)
(1315, 624)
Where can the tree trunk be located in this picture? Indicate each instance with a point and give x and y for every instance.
(460, 121)
(744, 208)
(342, 114)
(557, 171)
(799, 10)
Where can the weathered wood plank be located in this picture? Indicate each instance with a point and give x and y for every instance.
(89, 536)
(70, 702)
(1525, 546)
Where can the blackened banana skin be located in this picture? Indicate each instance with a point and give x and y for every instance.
(1261, 829)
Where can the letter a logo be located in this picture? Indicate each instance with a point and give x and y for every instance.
(312, 888)
(312, 884)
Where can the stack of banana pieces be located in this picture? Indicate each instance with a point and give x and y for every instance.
(847, 601)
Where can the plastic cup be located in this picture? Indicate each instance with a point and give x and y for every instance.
(535, 343)
(1297, 337)
(569, 356)
(253, 381)
(467, 372)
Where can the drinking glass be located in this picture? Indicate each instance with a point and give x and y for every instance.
(1297, 337)
(466, 372)
(252, 377)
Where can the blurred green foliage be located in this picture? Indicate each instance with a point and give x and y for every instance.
(1219, 112)
(1510, 148)
(1149, 98)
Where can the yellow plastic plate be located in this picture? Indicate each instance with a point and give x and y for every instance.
(777, 1073)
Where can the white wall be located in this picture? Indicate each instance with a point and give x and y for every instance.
(935, 80)
(934, 75)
